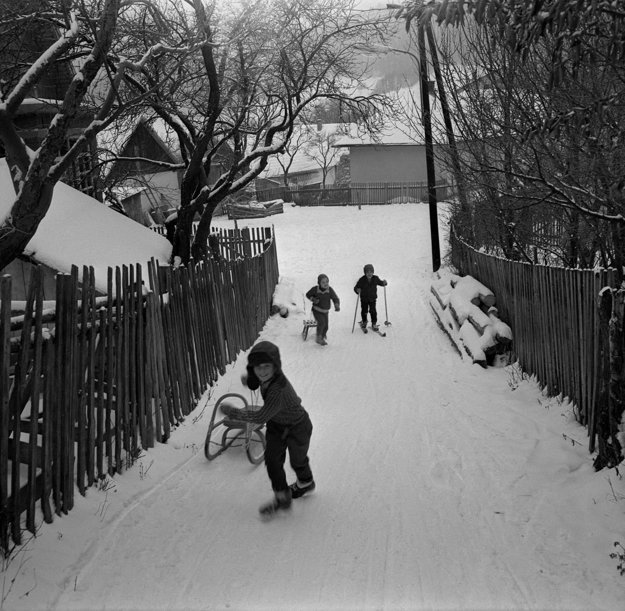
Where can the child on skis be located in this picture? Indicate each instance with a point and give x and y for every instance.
(367, 289)
(322, 296)
(288, 425)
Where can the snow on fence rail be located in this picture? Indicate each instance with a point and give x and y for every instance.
(79, 401)
(560, 335)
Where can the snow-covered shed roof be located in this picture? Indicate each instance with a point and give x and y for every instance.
(302, 159)
(79, 230)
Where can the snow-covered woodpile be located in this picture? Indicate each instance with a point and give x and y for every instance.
(252, 210)
(465, 310)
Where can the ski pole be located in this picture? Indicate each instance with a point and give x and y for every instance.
(386, 322)
(355, 312)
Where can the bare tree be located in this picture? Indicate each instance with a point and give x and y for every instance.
(541, 121)
(257, 69)
(84, 33)
(321, 150)
(292, 147)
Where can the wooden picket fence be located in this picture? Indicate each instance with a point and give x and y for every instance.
(559, 335)
(85, 387)
(357, 194)
(233, 243)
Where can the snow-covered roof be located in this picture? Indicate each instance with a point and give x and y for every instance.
(391, 134)
(116, 136)
(124, 192)
(79, 230)
(396, 131)
(302, 160)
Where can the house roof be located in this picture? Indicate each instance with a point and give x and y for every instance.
(303, 162)
(117, 137)
(395, 130)
(79, 230)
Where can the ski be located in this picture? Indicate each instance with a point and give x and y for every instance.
(380, 333)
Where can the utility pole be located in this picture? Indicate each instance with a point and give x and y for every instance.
(429, 149)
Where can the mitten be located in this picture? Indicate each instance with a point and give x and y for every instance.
(231, 412)
(337, 308)
(244, 379)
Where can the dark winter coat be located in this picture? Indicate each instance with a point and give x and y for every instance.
(369, 288)
(280, 402)
(323, 299)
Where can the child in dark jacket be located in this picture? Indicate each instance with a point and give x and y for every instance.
(322, 296)
(366, 287)
(288, 425)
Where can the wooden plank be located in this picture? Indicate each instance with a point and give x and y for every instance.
(177, 357)
(100, 402)
(47, 433)
(92, 323)
(154, 305)
(111, 369)
(119, 370)
(158, 332)
(17, 401)
(5, 331)
(124, 401)
(33, 450)
(132, 363)
(140, 355)
(81, 434)
(61, 389)
(150, 383)
(72, 378)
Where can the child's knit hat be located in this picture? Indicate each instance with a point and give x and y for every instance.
(368, 267)
(264, 352)
(321, 277)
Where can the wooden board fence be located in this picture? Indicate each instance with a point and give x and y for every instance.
(554, 316)
(117, 373)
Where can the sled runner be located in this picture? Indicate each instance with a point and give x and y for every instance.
(307, 325)
(224, 432)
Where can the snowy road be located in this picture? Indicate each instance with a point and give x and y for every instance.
(438, 485)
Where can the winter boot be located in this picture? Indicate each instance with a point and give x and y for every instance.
(320, 340)
(363, 324)
(375, 326)
(281, 500)
(300, 489)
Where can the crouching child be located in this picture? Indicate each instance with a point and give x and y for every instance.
(288, 425)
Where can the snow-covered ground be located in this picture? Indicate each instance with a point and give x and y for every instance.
(440, 485)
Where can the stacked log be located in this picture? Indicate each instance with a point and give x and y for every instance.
(254, 209)
(465, 310)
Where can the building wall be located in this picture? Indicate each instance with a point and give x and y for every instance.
(388, 163)
(155, 203)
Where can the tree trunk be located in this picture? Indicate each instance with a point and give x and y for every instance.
(201, 243)
(182, 236)
(451, 139)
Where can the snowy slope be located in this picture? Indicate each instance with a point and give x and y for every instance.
(440, 485)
